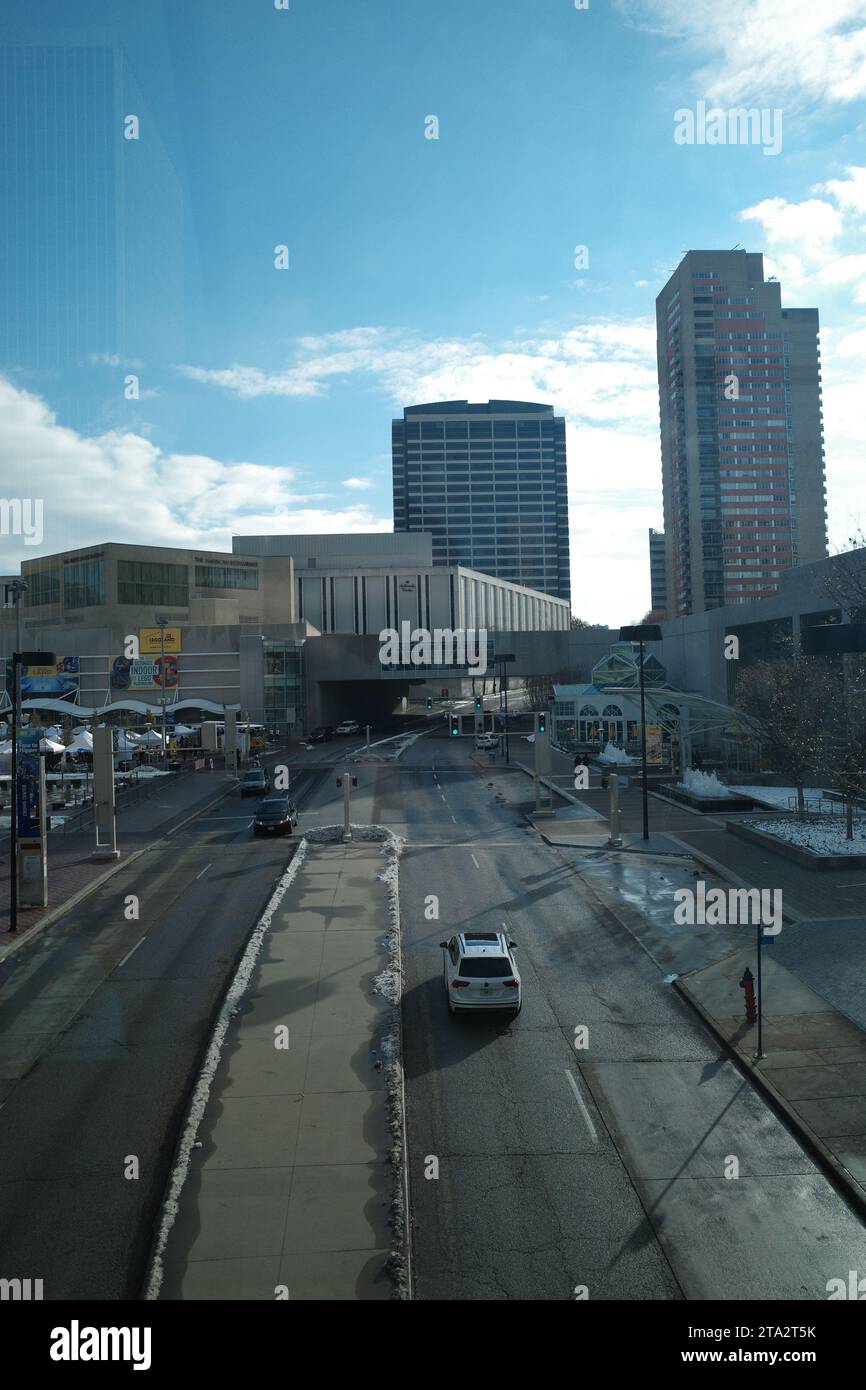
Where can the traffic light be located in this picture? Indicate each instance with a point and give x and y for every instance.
(455, 726)
(478, 702)
(542, 723)
(429, 703)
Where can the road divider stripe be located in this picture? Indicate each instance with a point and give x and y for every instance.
(129, 953)
(582, 1106)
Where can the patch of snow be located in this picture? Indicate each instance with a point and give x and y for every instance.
(784, 797)
(822, 837)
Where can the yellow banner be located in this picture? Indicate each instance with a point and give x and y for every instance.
(149, 640)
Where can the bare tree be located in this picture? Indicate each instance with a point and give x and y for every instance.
(786, 703)
(846, 753)
(845, 580)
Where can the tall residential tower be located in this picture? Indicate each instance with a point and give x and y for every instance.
(489, 482)
(741, 432)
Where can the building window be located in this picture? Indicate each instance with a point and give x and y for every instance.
(43, 586)
(84, 584)
(225, 577)
(151, 584)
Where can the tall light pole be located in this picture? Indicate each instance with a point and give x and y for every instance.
(162, 624)
(14, 592)
(643, 632)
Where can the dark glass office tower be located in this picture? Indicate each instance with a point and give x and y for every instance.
(741, 432)
(489, 482)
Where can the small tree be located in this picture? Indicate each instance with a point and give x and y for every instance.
(786, 704)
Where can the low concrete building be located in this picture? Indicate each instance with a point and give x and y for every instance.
(363, 583)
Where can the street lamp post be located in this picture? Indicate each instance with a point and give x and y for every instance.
(162, 624)
(643, 632)
(15, 590)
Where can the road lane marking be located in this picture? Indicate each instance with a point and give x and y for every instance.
(204, 870)
(475, 862)
(454, 818)
(583, 1110)
(129, 953)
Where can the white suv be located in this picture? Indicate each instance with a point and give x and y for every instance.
(480, 973)
(348, 726)
(487, 741)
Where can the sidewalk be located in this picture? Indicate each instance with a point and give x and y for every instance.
(292, 1183)
(72, 870)
(814, 1038)
(815, 1068)
(807, 895)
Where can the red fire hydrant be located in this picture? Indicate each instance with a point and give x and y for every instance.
(748, 984)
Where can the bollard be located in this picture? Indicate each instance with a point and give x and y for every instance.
(615, 841)
(747, 984)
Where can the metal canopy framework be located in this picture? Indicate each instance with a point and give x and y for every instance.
(694, 715)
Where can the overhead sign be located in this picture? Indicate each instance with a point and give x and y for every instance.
(149, 641)
(145, 674)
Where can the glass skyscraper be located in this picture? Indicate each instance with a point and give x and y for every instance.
(741, 432)
(489, 483)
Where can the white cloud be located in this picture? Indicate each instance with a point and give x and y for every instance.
(766, 51)
(358, 484)
(123, 487)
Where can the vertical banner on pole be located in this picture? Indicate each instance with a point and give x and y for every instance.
(230, 743)
(31, 822)
(103, 795)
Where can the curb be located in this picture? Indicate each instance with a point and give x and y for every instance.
(844, 1181)
(63, 908)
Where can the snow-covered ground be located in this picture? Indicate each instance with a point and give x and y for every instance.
(783, 797)
(821, 837)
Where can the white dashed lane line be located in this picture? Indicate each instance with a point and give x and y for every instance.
(129, 953)
(582, 1104)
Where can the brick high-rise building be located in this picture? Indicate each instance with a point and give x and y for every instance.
(741, 432)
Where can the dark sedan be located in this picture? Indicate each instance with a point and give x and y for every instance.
(276, 815)
(323, 734)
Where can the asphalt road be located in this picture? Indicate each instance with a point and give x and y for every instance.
(104, 1020)
(559, 1170)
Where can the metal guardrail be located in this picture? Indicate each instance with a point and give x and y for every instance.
(127, 797)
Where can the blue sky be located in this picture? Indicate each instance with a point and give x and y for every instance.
(424, 269)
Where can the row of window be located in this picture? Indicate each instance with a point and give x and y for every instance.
(140, 582)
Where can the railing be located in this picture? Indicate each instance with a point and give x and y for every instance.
(128, 796)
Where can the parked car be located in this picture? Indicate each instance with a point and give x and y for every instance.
(276, 815)
(486, 741)
(480, 973)
(348, 726)
(254, 782)
(322, 734)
